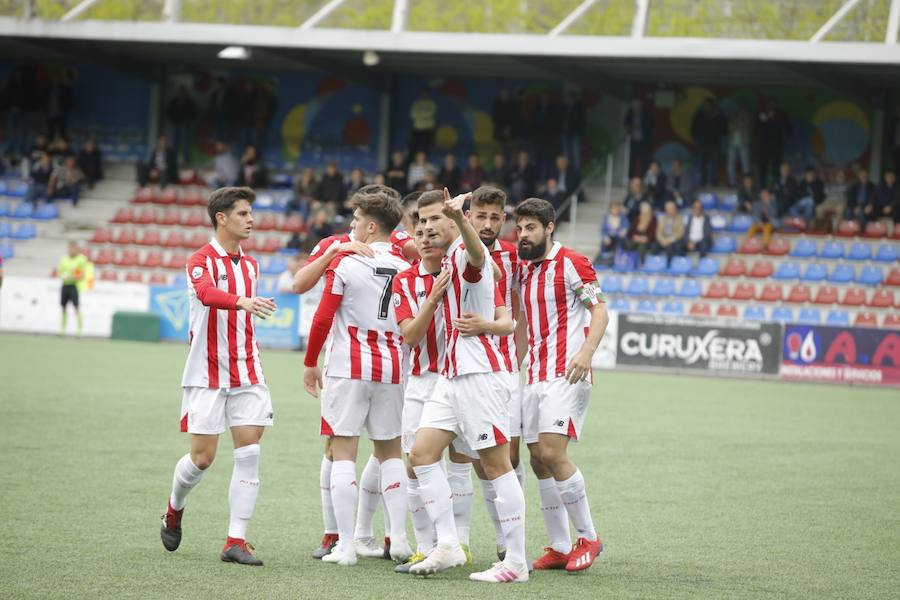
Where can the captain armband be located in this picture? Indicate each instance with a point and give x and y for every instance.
(589, 295)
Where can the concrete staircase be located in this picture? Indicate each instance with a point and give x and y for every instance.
(583, 232)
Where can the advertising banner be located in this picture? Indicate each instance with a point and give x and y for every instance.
(841, 355)
(605, 356)
(709, 345)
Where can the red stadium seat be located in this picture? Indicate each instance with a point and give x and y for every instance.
(195, 241)
(123, 215)
(727, 310)
(144, 195)
(733, 268)
(157, 279)
(101, 236)
(891, 320)
(134, 278)
(293, 224)
(173, 240)
(761, 269)
(716, 290)
(799, 294)
(772, 292)
(128, 258)
(187, 176)
(195, 197)
(700, 309)
(827, 294)
(171, 217)
(751, 246)
(105, 256)
(778, 247)
(124, 236)
(150, 238)
(854, 297)
(153, 260)
(266, 223)
(875, 229)
(847, 229)
(866, 319)
(744, 291)
(249, 245)
(896, 234)
(109, 276)
(145, 217)
(881, 298)
(893, 277)
(793, 225)
(270, 245)
(176, 260)
(195, 219)
(168, 196)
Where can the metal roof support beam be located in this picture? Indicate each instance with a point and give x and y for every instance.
(890, 35)
(834, 20)
(400, 20)
(80, 8)
(172, 11)
(572, 17)
(321, 14)
(639, 25)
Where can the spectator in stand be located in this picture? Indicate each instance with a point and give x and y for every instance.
(417, 171)
(810, 194)
(422, 114)
(450, 175)
(566, 175)
(860, 194)
(66, 181)
(226, 167)
(747, 195)
(356, 181)
(669, 233)
(833, 207)
(655, 185)
(707, 128)
(522, 178)
(295, 242)
(887, 197)
(161, 167)
(60, 151)
(303, 194)
(319, 229)
(772, 131)
(642, 234)
(677, 189)
(499, 173)
(739, 130)
(395, 176)
(285, 282)
(545, 127)
(378, 179)
(60, 100)
(699, 235)
(507, 118)
(639, 126)
(895, 142)
(633, 198)
(474, 175)
(40, 173)
(331, 187)
(785, 189)
(90, 161)
(556, 197)
(39, 147)
(573, 127)
(253, 172)
(181, 112)
(765, 216)
(429, 183)
(613, 233)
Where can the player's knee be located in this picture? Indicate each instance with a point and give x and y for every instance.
(420, 458)
(203, 461)
(552, 457)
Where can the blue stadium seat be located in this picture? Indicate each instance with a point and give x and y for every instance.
(870, 275)
(267, 285)
(728, 203)
(690, 288)
(815, 272)
(2, 187)
(681, 265)
(47, 212)
(654, 264)
(664, 287)
(611, 284)
(718, 222)
(787, 270)
(755, 312)
(838, 317)
(273, 266)
(782, 314)
(859, 251)
(842, 274)
(25, 231)
(281, 180)
(646, 306)
(24, 210)
(4, 208)
(637, 286)
(7, 251)
(810, 316)
(724, 245)
(673, 307)
(832, 249)
(707, 267)
(17, 190)
(708, 200)
(740, 223)
(5, 230)
(888, 253)
(620, 304)
(180, 280)
(803, 249)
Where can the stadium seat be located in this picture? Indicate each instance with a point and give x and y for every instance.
(826, 294)
(815, 272)
(708, 200)
(195, 197)
(4, 208)
(809, 316)
(149, 238)
(847, 228)
(700, 309)
(170, 217)
(249, 245)
(740, 223)
(896, 234)
(782, 314)
(25, 231)
(690, 288)
(104, 256)
(859, 251)
(654, 264)
(875, 229)
(23, 210)
(123, 236)
(144, 195)
(786, 271)
(891, 320)
(842, 274)
(838, 317)
(292, 224)
(610, 284)
(706, 267)
(881, 298)
(751, 246)
(854, 297)
(718, 223)
(195, 219)
(870, 275)
(274, 265)
(681, 265)
(778, 247)
(663, 287)
(727, 310)
(7, 251)
(724, 245)
(134, 277)
(728, 203)
(754, 312)
(157, 279)
(888, 253)
(771, 292)
(122, 216)
(893, 277)
(674, 308)
(174, 240)
(743, 291)
(128, 258)
(865, 319)
(267, 222)
(761, 269)
(145, 217)
(176, 260)
(168, 196)
(799, 294)
(620, 304)
(153, 260)
(5, 230)
(793, 225)
(803, 249)
(832, 249)
(716, 290)
(195, 241)
(637, 286)
(646, 306)
(187, 176)
(735, 267)
(47, 212)
(108, 276)
(270, 245)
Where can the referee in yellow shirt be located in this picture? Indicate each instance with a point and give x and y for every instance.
(72, 269)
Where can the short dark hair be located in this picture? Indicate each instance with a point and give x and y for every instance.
(380, 206)
(410, 199)
(536, 208)
(429, 198)
(223, 200)
(488, 195)
(377, 188)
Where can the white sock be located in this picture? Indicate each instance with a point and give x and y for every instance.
(393, 491)
(422, 526)
(343, 495)
(187, 475)
(459, 476)
(325, 490)
(520, 474)
(369, 498)
(489, 497)
(244, 490)
(555, 516)
(435, 493)
(575, 499)
(510, 505)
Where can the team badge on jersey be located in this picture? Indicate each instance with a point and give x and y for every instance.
(196, 272)
(396, 300)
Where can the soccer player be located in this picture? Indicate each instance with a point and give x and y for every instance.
(470, 406)
(71, 269)
(223, 381)
(364, 381)
(565, 316)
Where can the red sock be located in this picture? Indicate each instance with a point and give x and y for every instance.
(173, 517)
(230, 541)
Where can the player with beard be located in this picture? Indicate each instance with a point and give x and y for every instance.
(565, 317)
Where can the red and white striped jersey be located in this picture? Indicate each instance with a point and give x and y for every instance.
(556, 293)
(325, 243)
(399, 240)
(365, 342)
(506, 256)
(471, 290)
(411, 288)
(223, 349)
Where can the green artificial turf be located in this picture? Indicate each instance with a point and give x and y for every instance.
(700, 488)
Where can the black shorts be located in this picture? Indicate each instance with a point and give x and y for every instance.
(69, 294)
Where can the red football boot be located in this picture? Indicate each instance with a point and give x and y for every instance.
(551, 560)
(583, 554)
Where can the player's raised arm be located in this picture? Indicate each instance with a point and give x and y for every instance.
(306, 278)
(415, 327)
(453, 208)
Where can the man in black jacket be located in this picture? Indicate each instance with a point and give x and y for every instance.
(639, 127)
(707, 128)
(785, 189)
(860, 194)
(161, 167)
(772, 131)
(810, 194)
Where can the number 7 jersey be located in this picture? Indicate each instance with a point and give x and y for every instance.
(365, 340)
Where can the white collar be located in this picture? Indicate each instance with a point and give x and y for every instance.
(220, 250)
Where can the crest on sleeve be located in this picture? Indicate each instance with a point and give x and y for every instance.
(196, 272)
(315, 250)
(396, 300)
(402, 235)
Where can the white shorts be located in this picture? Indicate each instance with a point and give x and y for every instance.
(475, 407)
(207, 411)
(419, 388)
(515, 404)
(348, 405)
(554, 406)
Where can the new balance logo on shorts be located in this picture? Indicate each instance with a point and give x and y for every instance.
(560, 423)
(482, 437)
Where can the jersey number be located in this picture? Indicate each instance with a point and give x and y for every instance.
(385, 305)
